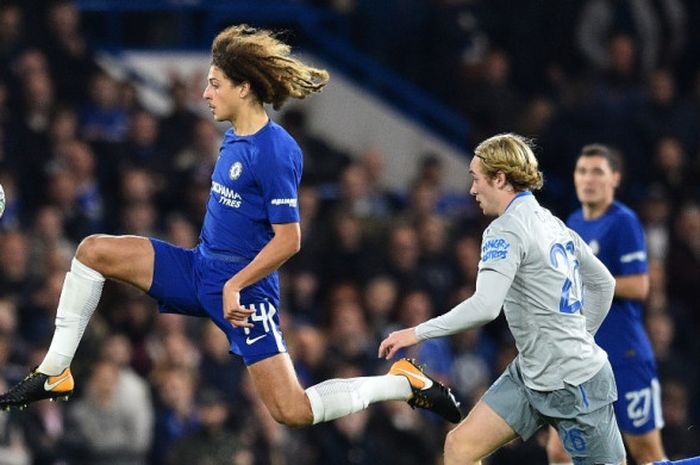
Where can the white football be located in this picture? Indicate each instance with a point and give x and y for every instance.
(2, 201)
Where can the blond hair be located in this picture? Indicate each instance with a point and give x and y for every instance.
(247, 54)
(512, 155)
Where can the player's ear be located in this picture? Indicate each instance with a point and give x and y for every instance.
(501, 179)
(244, 89)
(617, 177)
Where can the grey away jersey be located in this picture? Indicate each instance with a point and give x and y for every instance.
(545, 304)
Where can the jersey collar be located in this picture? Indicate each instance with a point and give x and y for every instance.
(522, 194)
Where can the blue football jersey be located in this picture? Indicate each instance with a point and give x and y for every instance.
(617, 239)
(254, 185)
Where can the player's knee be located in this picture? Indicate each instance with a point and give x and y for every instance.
(93, 252)
(456, 450)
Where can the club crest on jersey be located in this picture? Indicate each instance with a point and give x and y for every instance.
(235, 171)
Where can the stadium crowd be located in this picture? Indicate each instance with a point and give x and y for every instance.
(80, 154)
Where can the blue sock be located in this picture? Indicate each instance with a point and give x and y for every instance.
(690, 461)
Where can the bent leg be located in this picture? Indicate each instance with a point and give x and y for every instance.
(479, 435)
(128, 258)
(279, 388)
(277, 385)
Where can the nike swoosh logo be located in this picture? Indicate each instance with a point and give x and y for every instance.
(49, 386)
(427, 382)
(250, 341)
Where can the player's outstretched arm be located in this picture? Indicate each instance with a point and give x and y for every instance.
(396, 341)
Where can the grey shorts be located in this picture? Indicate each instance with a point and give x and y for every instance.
(583, 415)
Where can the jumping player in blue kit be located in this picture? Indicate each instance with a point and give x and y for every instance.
(615, 235)
(250, 229)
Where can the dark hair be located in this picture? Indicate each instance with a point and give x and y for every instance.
(599, 150)
(247, 54)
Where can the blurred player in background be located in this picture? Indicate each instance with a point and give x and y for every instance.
(616, 236)
(250, 229)
(537, 269)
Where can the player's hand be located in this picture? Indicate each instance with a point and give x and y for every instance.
(233, 312)
(396, 341)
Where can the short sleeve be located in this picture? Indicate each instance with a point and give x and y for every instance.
(629, 249)
(501, 251)
(279, 176)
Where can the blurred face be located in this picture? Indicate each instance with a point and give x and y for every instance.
(483, 189)
(595, 181)
(222, 95)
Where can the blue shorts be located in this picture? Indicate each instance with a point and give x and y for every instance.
(187, 282)
(638, 406)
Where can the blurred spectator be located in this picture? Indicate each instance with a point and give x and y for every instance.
(357, 196)
(414, 308)
(663, 115)
(684, 261)
(217, 368)
(313, 231)
(662, 335)
(102, 117)
(132, 393)
(213, 443)
(15, 266)
(177, 125)
(322, 163)
(655, 212)
(345, 251)
(39, 312)
(64, 126)
(349, 339)
(140, 218)
(455, 204)
(303, 300)
(680, 438)
(47, 235)
(435, 262)
(402, 256)
(11, 31)
(180, 232)
(467, 251)
(307, 347)
(196, 159)
(381, 296)
(43, 425)
(176, 416)
(63, 190)
(68, 52)
(142, 148)
(672, 169)
(657, 26)
(99, 429)
(79, 159)
(492, 101)
(13, 449)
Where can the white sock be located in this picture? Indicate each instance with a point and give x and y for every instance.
(562, 463)
(81, 292)
(336, 398)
